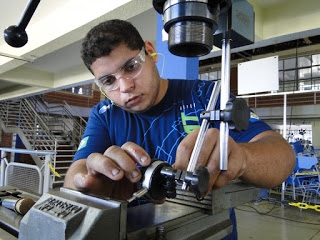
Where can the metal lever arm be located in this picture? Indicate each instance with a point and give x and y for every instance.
(202, 132)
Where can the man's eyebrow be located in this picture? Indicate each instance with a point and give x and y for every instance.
(119, 69)
(123, 65)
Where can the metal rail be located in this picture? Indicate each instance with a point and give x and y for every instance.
(44, 183)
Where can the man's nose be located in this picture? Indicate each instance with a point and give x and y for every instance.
(125, 84)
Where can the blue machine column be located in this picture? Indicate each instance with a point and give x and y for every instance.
(174, 66)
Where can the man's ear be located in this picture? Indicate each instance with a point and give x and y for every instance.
(149, 47)
(151, 50)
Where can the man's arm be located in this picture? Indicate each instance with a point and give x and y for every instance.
(269, 160)
(266, 161)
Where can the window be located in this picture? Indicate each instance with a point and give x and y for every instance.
(302, 73)
(81, 90)
(295, 74)
(210, 76)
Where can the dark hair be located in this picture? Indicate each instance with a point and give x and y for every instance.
(106, 36)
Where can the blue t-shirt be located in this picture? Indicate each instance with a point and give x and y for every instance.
(160, 129)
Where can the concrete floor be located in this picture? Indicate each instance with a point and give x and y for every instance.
(268, 220)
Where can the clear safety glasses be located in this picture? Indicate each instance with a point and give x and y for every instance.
(129, 70)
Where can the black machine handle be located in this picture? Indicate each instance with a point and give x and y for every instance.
(16, 35)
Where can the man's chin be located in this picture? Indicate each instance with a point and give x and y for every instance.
(137, 109)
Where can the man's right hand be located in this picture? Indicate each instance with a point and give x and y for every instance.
(112, 174)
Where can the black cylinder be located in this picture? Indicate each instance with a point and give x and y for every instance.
(190, 25)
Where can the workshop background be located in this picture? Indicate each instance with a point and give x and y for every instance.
(52, 92)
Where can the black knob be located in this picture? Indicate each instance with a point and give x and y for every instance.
(15, 36)
(237, 114)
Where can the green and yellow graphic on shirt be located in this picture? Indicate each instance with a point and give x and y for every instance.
(189, 123)
(83, 142)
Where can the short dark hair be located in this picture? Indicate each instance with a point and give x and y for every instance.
(106, 36)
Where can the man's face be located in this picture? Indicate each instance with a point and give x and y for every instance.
(135, 92)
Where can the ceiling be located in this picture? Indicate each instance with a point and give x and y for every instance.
(51, 58)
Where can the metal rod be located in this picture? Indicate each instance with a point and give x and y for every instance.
(138, 194)
(284, 134)
(3, 166)
(203, 128)
(25, 151)
(224, 97)
(28, 12)
(202, 132)
(46, 174)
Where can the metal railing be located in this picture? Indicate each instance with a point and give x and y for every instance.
(61, 117)
(44, 127)
(67, 127)
(20, 117)
(18, 174)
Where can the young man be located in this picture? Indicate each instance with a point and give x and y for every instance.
(146, 116)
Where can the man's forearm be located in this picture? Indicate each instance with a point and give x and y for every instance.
(270, 160)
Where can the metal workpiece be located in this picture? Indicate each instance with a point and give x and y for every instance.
(161, 179)
(152, 179)
(231, 195)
